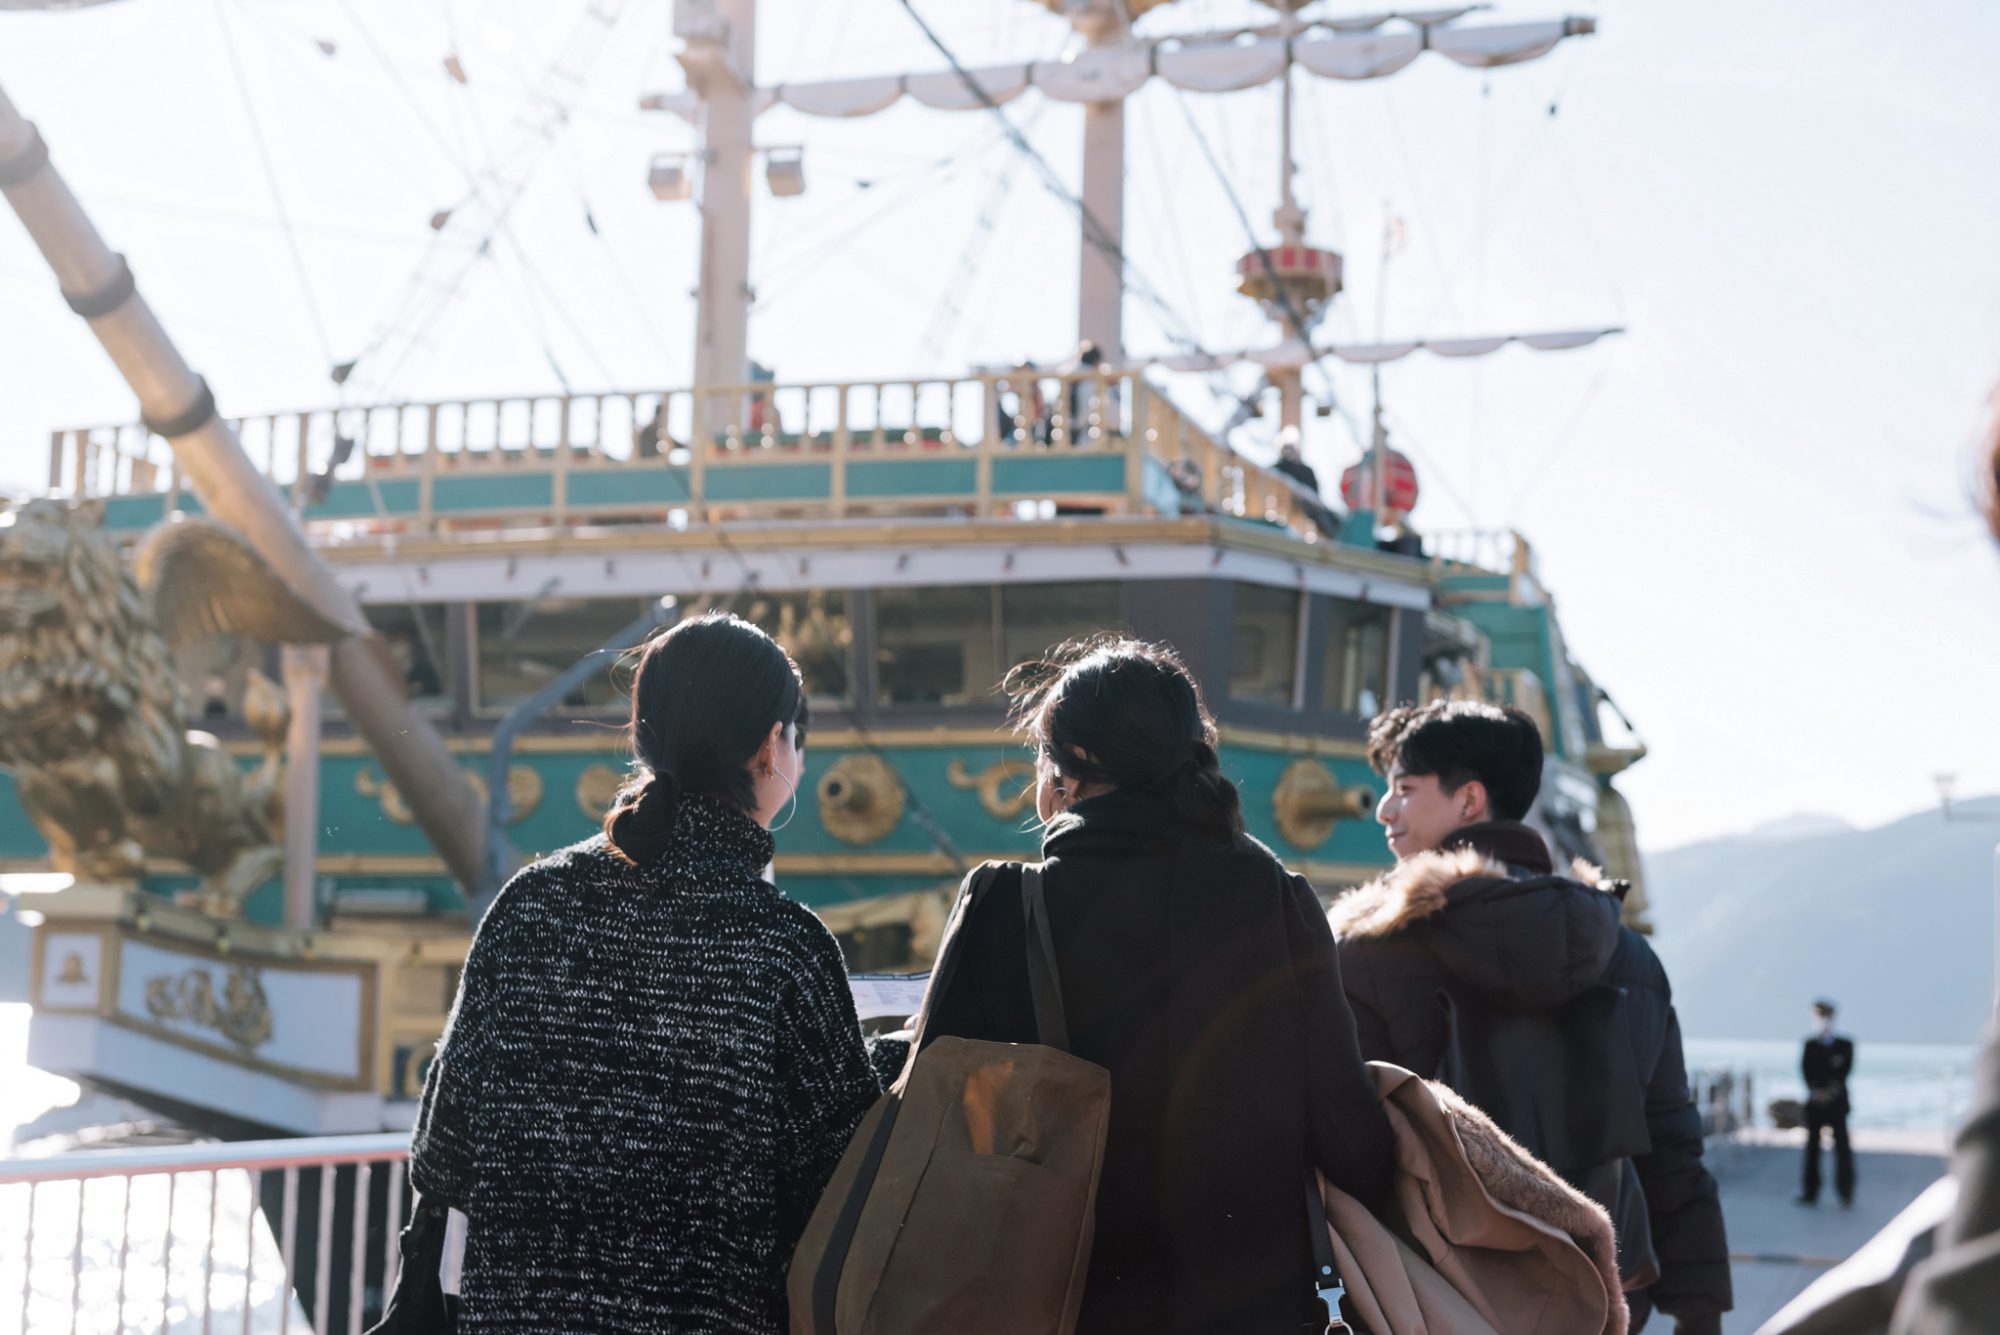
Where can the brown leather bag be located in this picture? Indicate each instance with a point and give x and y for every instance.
(967, 1200)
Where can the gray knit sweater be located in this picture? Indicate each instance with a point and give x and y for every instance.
(648, 1078)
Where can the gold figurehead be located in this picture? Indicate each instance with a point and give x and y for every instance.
(93, 721)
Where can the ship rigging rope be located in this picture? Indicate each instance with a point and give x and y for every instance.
(782, 276)
(1293, 319)
(492, 191)
(1527, 156)
(777, 272)
(1177, 329)
(950, 310)
(299, 268)
(1557, 443)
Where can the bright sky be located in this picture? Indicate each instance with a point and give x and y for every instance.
(1753, 507)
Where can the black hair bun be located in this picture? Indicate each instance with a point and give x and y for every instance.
(642, 823)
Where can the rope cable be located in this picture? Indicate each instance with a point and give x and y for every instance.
(271, 183)
(1130, 279)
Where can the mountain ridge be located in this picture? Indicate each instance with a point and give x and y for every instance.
(1896, 923)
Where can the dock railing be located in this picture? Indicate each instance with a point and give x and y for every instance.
(844, 431)
(1727, 1100)
(259, 1236)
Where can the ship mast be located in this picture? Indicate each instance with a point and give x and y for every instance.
(1100, 298)
(719, 53)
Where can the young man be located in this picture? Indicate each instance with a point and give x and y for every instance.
(1475, 963)
(1826, 1063)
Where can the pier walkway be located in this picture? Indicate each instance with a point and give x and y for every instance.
(1778, 1248)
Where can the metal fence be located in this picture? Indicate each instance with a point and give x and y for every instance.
(255, 1236)
(1727, 1099)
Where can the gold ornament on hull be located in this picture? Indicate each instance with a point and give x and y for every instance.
(524, 793)
(1005, 787)
(860, 799)
(93, 721)
(1309, 802)
(596, 789)
(73, 974)
(243, 1015)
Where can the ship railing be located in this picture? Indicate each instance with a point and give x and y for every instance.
(1172, 464)
(1492, 551)
(260, 1236)
(1519, 688)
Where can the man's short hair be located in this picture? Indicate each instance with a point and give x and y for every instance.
(1462, 740)
(1823, 1007)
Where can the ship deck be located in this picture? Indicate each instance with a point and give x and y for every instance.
(1778, 1248)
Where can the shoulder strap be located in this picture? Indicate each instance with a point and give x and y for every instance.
(946, 965)
(1326, 1275)
(1044, 982)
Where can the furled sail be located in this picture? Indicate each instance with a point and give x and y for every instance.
(1294, 353)
(1216, 62)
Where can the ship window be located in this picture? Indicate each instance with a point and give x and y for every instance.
(1357, 667)
(934, 646)
(521, 647)
(814, 628)
(1264, 645)
(420, 647)
(1035, 618)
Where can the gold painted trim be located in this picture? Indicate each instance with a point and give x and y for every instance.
(116, 936)
(849, 739)
(367, 972)
(316, 1079)
(107, 966)
(1290, 743)
(379, 864)
(1193, 531)
(612, 741)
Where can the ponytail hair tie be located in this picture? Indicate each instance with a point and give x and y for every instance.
(640, 823)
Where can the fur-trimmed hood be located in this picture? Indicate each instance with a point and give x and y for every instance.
(1522, 935)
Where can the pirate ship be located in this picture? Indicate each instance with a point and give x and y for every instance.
(288, 696)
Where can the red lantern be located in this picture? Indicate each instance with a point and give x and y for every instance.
(1357, 483)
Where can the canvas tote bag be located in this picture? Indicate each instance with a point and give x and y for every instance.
(967, 1200)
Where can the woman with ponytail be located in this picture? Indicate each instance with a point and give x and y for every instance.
(654, 1062)
(1197, 971)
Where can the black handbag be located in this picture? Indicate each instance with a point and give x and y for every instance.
(419, 1306)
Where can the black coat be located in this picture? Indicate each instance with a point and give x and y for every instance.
(1484, 929)
(1826, 1066)
(1202, 975)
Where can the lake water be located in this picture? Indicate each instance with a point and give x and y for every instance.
(1915, 1086)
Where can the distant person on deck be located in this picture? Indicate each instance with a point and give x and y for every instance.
(1476, 963)
(1297, 469)
(1087, 391)
(1293, 465)
(1827, 1062)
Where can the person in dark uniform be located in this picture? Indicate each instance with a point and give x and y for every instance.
(1293, 465)
(1826, 1064)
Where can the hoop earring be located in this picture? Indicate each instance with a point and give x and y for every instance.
(795, 802)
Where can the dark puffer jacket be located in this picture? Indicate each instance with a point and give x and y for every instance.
(1483, 932)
